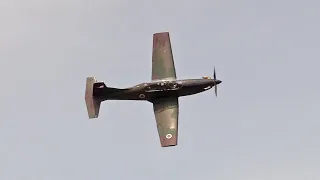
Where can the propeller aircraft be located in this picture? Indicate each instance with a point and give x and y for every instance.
(163, 91)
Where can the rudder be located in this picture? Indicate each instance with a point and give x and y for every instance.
(93, 104)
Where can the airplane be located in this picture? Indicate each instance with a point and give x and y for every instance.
(163, 91)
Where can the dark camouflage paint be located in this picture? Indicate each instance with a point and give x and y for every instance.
(162, 58)
(166, 113)
(165, 110)
(165, 101)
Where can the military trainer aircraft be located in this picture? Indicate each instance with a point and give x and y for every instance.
(162, 91)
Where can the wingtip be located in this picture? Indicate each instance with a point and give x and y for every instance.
(168, 142)
(161, 33)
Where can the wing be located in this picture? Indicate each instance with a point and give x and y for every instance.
(167, 112)
(162, 59)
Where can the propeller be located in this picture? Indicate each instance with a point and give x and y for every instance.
(214, 81)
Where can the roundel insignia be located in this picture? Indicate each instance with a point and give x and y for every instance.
(142, 96)
(169, 136)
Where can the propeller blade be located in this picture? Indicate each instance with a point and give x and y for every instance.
(214, 79)
(216, 90)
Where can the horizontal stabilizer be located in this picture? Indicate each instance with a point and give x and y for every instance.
(93, 104)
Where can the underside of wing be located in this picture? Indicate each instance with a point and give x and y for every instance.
(167, 113)
(162, 58)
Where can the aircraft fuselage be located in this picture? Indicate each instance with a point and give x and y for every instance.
(156, 89)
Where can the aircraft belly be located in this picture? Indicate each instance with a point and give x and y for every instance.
(131, 94)
(142, 95)
(186, 91)
(162, 94)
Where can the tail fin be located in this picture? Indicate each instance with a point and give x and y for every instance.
(93, 104)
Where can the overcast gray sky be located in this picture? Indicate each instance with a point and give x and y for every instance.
(264, 125)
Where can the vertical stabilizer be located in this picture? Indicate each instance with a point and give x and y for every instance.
(93, 104)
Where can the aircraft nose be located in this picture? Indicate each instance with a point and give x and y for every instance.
(217, 81)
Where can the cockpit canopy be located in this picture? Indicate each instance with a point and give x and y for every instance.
(163, 86)
(206, 77)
